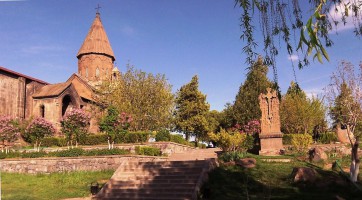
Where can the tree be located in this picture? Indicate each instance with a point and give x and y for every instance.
(37, 130)
(191, 111)
(75, 125)
(147, 97)
(9, 131)
(114, 123)
(246, 106)
(299, 114)
(214, 119)
(345, 101)
(280, 20)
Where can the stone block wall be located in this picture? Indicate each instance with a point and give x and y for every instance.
(50, 165)
(12, 95)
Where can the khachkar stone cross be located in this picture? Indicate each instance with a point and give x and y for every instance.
(270, 135)
(269, 105)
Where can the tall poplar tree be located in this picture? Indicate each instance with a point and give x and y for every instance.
(191, 111)
(246, 105)
(299, 114)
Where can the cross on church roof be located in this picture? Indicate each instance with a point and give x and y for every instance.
(97, 8)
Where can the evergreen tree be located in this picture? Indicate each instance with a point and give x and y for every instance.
(246, 106)
(191, 111)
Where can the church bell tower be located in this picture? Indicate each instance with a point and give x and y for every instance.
(96, 57)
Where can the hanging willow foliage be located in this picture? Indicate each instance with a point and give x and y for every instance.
(281, 22)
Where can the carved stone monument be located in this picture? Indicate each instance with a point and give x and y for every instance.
(270, 135)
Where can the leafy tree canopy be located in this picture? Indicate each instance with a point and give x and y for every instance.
(146, 97)
(299, 114)
(282, 21)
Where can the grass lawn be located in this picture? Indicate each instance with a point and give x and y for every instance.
(50, 187)
(269, 180)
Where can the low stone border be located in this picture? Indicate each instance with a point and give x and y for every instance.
(281, 160)
(58, 164)
(210, 164)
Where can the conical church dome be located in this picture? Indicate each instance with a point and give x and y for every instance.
(96, 41)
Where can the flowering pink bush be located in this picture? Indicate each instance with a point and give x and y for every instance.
(38, 129)
(8, 129)
(75, 124)
(253, 127)
(123, 121)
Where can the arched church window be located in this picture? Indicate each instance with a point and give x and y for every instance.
(97, 72)
(67, 104)
(42, 111)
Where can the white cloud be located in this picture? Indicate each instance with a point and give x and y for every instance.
(337, 16)
(293, 57)
(314, 92)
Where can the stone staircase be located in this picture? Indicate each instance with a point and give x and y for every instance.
(179, 178)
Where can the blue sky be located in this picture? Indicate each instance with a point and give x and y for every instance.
(178, 38)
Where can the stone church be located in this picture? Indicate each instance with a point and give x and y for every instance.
(23, 97)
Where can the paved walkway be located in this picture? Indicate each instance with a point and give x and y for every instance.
(195, 154)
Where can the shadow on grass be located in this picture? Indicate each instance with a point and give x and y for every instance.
(274, 181)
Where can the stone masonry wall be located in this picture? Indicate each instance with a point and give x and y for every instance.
(50, 165)
(10, 98)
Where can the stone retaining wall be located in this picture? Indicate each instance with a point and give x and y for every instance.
(50, 165)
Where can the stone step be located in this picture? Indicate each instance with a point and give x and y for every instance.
(138, 193)
(162, 171)
(141, 168)
(149, 178)
(149, 190)
(166, 163)
(156, 181)
(175, 179)
(131, 184)
(150, 197)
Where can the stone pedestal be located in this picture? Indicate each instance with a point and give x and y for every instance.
(271, 144)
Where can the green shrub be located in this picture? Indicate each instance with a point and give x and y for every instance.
(54, 141)
(135, 137)
(231, 156)
(148, 151)
(287, 139)
(231, 141)
(327, 138)
(34, 154)
(199, 145)
(178, 139)
(300, 142)
(102, 152)
(163, 135)
(94, 139)
(68, 153)
(11, 154)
